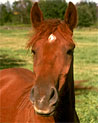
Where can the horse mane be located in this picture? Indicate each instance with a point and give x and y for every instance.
(46, 28)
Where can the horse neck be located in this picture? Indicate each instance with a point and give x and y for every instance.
(70, 84)
(67, 91)
(66, 104)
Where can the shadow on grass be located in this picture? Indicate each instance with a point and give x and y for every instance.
(80, 87)
(7, 62)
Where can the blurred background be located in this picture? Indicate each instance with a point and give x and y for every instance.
(18, 11)
(16, 30)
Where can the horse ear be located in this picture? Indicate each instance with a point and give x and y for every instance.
(36, 15)
(71, 16)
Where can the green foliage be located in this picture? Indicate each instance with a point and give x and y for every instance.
(19, 11)
(53, 8)
(5, 14)
(87, 14)
(85, 17)
(93, 8)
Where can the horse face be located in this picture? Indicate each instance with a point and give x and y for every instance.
(53, 47)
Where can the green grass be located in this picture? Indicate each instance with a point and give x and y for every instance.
(86, 68)
(13, 53)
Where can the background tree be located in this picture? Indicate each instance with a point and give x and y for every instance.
(5, 13)
(53, 8)
(19, 11)
(85, 17)
(93, 9)
(87, 13)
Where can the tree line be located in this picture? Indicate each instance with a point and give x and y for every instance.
(19, 11)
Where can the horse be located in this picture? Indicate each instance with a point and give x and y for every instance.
(45, 95)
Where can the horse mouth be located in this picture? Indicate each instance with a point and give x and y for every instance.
(46, 115)
(47, 112)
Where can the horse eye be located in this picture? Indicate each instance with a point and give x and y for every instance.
(70, 52)
(33, 52)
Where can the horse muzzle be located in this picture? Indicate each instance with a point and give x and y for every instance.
(44, 103)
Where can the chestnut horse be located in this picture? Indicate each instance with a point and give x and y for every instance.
(45, 95)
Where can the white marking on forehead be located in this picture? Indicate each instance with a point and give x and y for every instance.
(51, 38)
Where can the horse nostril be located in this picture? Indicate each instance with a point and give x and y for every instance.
(53, 97)
(52, 94)
(32, 95)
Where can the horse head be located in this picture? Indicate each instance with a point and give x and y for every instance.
(52, 46)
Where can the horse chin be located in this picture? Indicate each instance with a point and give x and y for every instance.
(44, 112)
(46, 115)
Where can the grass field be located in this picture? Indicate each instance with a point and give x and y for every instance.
(14, 54)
